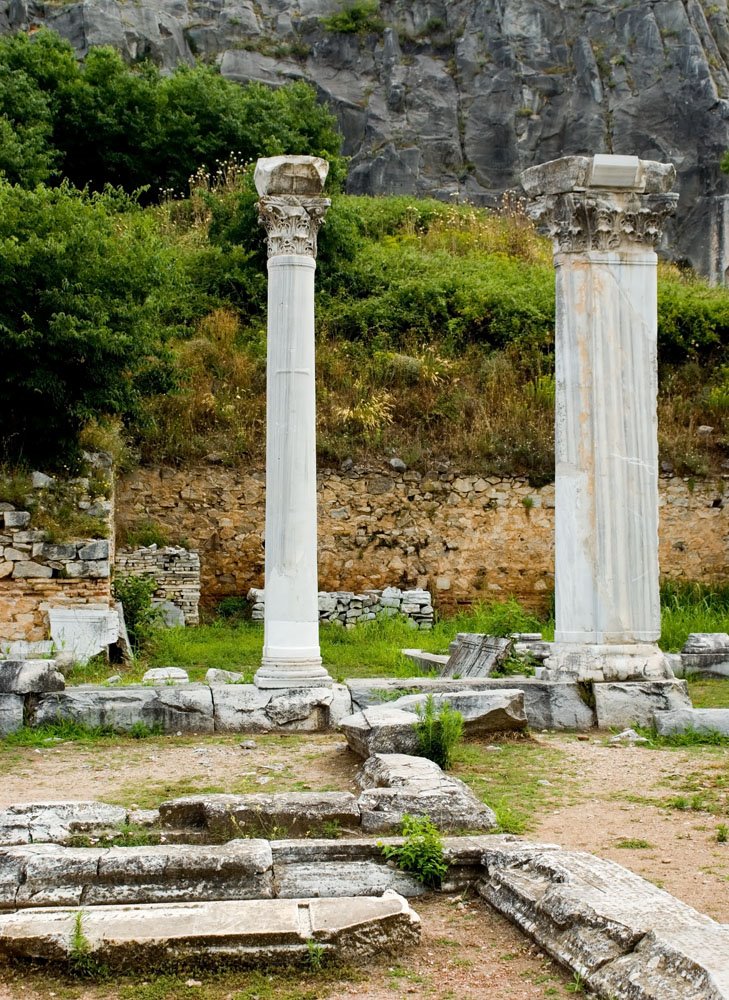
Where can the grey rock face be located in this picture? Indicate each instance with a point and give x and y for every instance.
(380, 729)
(458, 98)
(624, 936)
(491, 711)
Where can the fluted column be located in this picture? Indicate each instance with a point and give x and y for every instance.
(605, 215)
(291, 210)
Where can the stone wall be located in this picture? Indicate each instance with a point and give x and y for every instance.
(350, 609)
(462, 537)
(175, 569)
(37, 574)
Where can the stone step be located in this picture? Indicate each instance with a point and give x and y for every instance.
(625, 937)
(250, 932)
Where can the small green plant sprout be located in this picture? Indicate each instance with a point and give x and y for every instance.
(633, 843)
(527, 503)
(422, 852)
(439, 731)
(577, 985)
(722, 833)
(80, 958)
(315, 955)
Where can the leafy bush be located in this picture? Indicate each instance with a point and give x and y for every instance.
(361, 17)
(422, 852)
(439, 731)
(103, 122)
(80, 318)
(140, 615)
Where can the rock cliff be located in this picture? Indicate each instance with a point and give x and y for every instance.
(455, 98)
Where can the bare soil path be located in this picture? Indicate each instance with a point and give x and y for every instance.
(657, 812)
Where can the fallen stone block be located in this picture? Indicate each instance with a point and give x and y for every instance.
(48, 875)
(621, 934)
(634, 703)
(381, 729)
(484, 712)
(222, 817)
(547, 704)
(57, 822)
(476, 655)
(706, 653)
(698, 720)
(11, 713)
(216, 676)
(83, 632)
(426, 661)
(396, 784)
(247, 932)
(185, 708)
(30, 677)
(166, 675)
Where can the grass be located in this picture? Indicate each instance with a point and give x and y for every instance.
(709, 692)
(511, 779)
(691, 607)
(633, 844)
(65, 730)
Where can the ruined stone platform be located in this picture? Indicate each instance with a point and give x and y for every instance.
(251, 932)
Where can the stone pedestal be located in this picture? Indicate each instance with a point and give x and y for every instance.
(605, 214)
(291, 210)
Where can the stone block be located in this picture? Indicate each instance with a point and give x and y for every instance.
(48, 875)
(635, 703)
(343, 878)
(29, 677)
(83, 632)
(48, 550)
(698, 720)
(290, 175)
(223, 817)
(706, 653)
(216, 676)
(476, 655)
(247, 932)
(94, 550)
(548, 704)
(166, 675)
(623, 935)
(11, 714)
(186, 708)
(28, 570)
(16, 518)
(484, 712)
(381, 729)
(397, 784)
(56, 822)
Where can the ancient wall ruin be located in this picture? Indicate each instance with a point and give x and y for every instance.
(463, 537)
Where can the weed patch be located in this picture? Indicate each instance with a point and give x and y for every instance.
(422, 852)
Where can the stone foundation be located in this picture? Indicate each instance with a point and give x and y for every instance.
(176, 571)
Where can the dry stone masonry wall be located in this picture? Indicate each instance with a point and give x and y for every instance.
(463, 537)
(349, 609)
(176, 572)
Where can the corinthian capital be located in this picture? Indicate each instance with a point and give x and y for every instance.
(601, 203)
(291, 208)
(292, 223)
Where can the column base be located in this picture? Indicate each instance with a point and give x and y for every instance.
(291, 674)
(638, 661)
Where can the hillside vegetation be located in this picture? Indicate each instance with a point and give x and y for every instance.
(135, 319)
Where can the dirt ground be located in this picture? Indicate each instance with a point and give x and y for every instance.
(658, 812)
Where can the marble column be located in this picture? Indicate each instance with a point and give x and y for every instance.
(604, 214)
(291, 210)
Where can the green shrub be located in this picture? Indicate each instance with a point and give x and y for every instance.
(439, 731)
(232, 609)
(361, 17)
(140, 615)
(422, 852)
